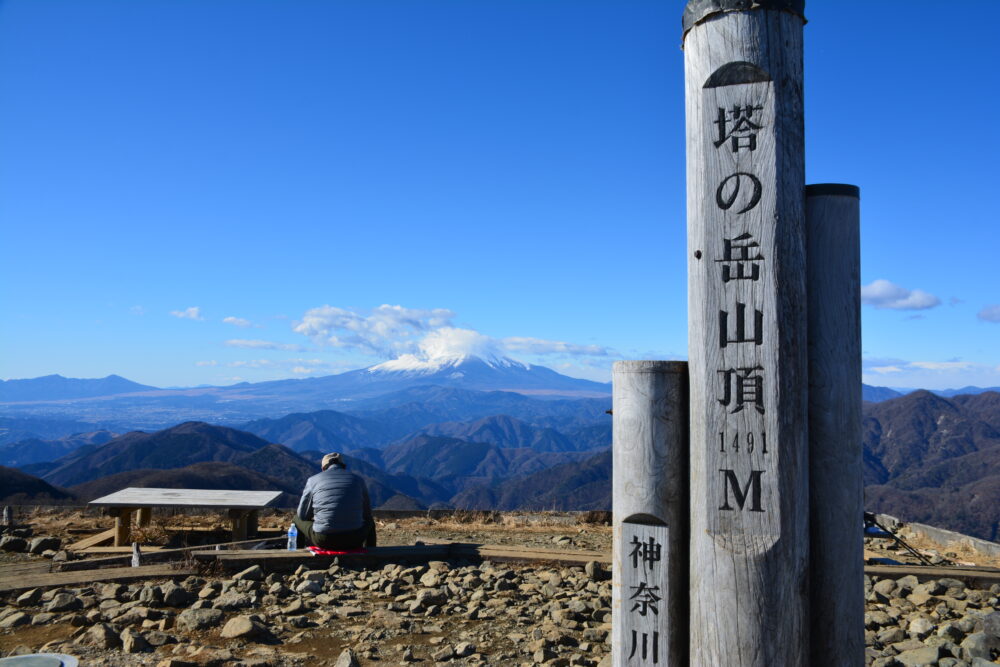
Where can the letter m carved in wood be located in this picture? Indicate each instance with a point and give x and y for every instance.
(751, 488)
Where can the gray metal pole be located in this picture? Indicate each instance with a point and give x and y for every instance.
(836, 503)
(649, 571)
(747, 333)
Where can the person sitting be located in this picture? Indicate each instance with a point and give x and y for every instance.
(335, 512)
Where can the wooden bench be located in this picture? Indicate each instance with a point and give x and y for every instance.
(241, 507)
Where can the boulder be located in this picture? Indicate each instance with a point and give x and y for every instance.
(29, 598)
(174, 595)
(40, 545)
(198, 619)
(102, 635)
(252, 573)
(15, 620)
(133, 642)
(64, 602)
(243, 627)
(13, 543)
(347, 659)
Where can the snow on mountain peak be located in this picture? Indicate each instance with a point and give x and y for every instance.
(449, 347)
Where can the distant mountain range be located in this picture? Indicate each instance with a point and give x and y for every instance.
(31, 408)
(58, 388)
(926, 458)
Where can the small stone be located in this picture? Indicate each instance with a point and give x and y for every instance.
(443, 654)
(40, 545)
(347, 659)
(174, 595)
(133, 642)
(102, 635)
(232, 601)
(464, 648)
(13, 544)
(928, 655)
(595, 571)
(242, 626)
(979, 645)
(310, 586)
(29, 598)
(64, 602)
(920, 628)
(15, 620)
(252, 573)
(160, 638)
(198, 619)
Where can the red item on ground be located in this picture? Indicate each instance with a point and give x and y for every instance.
(329, 552)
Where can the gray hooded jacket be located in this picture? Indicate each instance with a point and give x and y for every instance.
(335, 500)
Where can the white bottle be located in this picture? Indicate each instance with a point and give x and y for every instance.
(293, 537)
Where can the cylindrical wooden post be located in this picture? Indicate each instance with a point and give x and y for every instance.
(836, 502)
(8, 516)
(747, 333)
(145, 516)
(649, 505)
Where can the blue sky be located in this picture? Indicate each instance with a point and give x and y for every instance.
(206, 191)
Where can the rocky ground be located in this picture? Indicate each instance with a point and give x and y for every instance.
(438, 612)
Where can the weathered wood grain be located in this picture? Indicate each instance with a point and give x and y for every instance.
(649, 501)
(26, 582)
(95, 540)
(747, 332)
(836, 491)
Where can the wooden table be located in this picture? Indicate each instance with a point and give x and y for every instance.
(241, 506)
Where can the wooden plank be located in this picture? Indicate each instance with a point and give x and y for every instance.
(836, 488)
(8, 570)
(94, 540)
(118, 550)
(151, 556)
(222, 498)
(976, 577)
(504, 553)
(280, 558)
(747, 335)
(649, 492)
(92, 577)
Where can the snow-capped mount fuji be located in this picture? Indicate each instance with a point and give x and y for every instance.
(459, 371)
(481, 373)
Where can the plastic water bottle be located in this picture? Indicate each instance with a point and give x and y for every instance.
(293, 538)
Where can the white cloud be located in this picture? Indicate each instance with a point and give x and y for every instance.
(192, 313)
(990, 313)
(237, 321)
(298, 366)
(950, 373)
(420, 335)
(449, 342)
(884, 294)
(942, 365)
(540, 346)
(882, 370)
(206, 363)
(137, 310)
(262, 345)
(386, 331)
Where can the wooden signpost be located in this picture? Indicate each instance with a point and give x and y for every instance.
(774, 479)
(747, 340)
(836, 508)
(649, 563)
